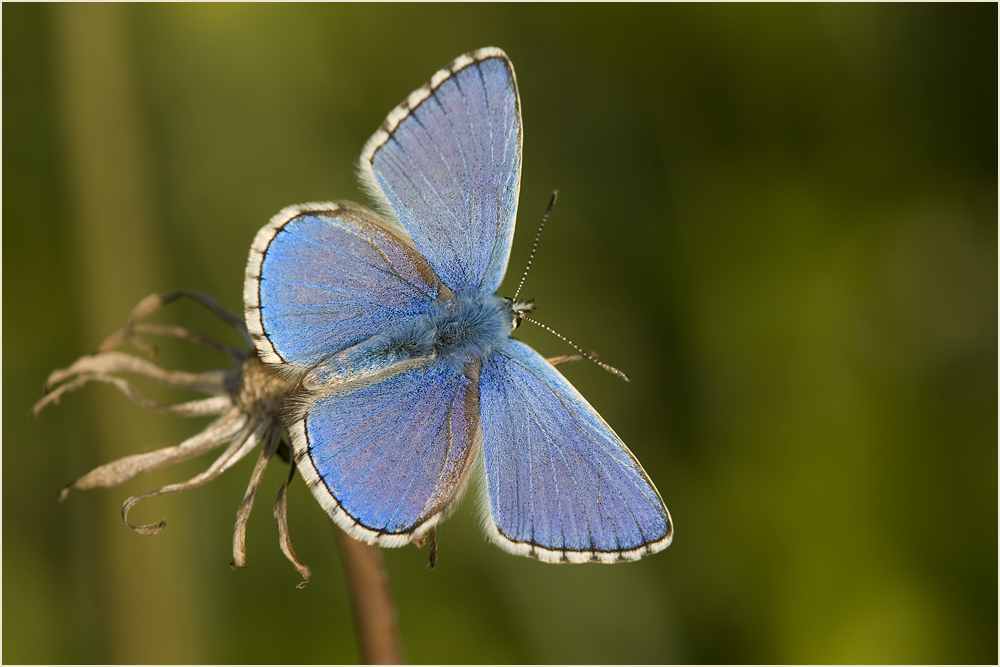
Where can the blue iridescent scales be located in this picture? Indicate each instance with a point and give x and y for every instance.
(408, 376)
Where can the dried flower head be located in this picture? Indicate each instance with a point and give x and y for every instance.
(247, 397)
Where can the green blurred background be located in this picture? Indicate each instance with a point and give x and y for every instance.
(781, 221)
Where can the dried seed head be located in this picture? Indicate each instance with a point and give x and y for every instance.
(248, 398)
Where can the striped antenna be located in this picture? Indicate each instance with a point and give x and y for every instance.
(586, 355)
(534, 247)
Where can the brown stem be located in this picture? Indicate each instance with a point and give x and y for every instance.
(374, 614)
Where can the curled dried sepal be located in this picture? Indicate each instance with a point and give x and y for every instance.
(245, 440)
(281, 514)
(110, 362)
(154, 302)
(103, 366)
(243, 513)
(215, 435)
(181, 333)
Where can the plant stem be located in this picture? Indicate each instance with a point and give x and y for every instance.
(374, 613)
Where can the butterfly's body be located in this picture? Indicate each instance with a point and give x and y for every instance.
(457, 331)
(467, 328)
(407, 371)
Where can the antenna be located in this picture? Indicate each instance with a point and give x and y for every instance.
(586, 355)
(534, 247)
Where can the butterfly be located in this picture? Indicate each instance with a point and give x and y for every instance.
(408, 377)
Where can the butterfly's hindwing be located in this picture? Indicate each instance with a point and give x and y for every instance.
(562, 485)
(387, 460)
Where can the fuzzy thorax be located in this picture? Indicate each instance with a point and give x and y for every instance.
(468, 328)
(457, 331)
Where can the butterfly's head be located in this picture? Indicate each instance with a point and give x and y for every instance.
(518, 311)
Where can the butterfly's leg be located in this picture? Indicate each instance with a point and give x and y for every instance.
(564, 359)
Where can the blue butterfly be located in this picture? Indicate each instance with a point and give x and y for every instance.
(408, 377)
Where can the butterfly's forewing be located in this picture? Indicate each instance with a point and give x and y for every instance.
(447, 161)
(561, 484)
(386, 459)
(323, 277)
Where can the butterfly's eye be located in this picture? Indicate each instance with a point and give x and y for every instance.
(519, 309)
